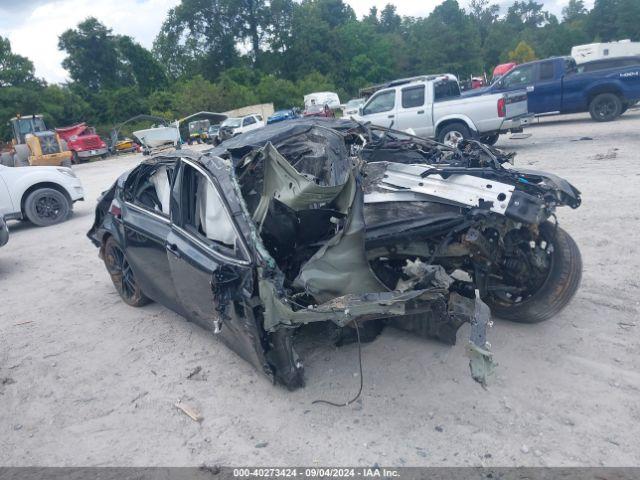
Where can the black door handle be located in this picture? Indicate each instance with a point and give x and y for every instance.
(420, 112)
(173, 249)
(390, 116)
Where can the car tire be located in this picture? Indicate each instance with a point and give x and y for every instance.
(122, 276)
(558, 289)
(605, 107)
(67, 162)
(47, 206)
(453, 133)
(490, 139)
(75, 159)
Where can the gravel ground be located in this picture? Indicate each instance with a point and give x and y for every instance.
(89, 381)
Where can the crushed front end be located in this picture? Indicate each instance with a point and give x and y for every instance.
(300, 194)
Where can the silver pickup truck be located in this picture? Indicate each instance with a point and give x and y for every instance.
(431, 107)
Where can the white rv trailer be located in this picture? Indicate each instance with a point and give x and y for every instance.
(322, 98)
(598, 51)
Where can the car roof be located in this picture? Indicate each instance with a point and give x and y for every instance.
(561, 57)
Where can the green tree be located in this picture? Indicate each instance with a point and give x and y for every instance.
(446, 41)
(485, 16)
(92, 55)
(628, 19)
(527, 13)
(575, 10)
(523, 53)
(279, 26)
(253, 18)
(15, 69)
(147, 73)
(390, 21)
(97, 60)
(282, 93)
(199, 37)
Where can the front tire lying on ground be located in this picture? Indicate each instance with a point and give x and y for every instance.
(122, 276)
(555, 292)
(46, 206)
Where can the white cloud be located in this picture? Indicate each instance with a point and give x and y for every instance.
(35, 29)
(36, 37)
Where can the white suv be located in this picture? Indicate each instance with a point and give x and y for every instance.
(42, 195)
(236, 125)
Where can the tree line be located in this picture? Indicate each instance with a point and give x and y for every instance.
(222, 54)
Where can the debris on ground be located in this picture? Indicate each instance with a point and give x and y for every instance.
(195, 374)
(610, 155)
(191, 412)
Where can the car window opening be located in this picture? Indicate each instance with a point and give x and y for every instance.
(205, 214)
(151, 188)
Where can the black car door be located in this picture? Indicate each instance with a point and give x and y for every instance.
(206, 253)
(146, 222)
(210, 264)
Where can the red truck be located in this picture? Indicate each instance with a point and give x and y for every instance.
(83, 142)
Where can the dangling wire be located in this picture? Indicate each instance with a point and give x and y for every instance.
(349, 402)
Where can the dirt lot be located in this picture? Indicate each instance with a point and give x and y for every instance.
(87, 380)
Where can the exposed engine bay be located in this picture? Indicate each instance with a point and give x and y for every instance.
(373, 240)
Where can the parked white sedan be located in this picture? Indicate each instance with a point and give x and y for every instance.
(42, 195)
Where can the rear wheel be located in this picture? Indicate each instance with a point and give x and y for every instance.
(122, 276)
(75, 159)
(47, 206)
(557, 282)
(605, 107)
(453, 133)
(66, 163)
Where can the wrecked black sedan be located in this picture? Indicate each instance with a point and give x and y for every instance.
(265, 234)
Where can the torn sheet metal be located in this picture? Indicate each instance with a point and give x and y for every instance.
(279, 311)
(480, 357)
(340, 266)
(464, 190)
(284, 183)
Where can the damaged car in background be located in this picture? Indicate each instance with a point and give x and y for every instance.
(289, 226)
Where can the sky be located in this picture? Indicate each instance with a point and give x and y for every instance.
(33, 26)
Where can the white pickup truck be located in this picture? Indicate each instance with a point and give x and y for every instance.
(431, 107)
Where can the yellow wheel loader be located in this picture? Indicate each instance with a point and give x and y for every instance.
(34, 145)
